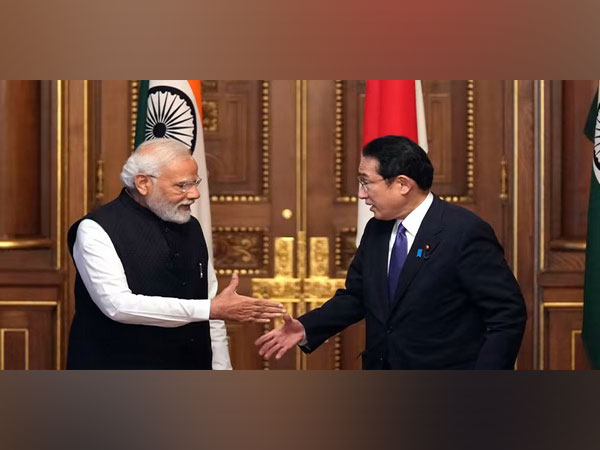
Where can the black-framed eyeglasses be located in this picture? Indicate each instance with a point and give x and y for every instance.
(184, 186)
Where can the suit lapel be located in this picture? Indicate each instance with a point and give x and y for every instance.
(426, 240)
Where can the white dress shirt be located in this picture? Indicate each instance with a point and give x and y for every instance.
(103, 275)
(411, 223)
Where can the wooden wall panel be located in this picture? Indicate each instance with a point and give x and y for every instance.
(566, 177)
(21, 152)
(235, 116)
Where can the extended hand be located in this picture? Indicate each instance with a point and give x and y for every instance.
(229, 305)
(280, 340)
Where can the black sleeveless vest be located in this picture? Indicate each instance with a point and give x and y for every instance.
(160, 259)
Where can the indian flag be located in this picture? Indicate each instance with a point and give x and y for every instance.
(172, 109)
(391, 107)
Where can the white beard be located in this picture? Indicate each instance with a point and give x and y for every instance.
(168, 211)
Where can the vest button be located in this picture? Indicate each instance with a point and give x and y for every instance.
(184, 283)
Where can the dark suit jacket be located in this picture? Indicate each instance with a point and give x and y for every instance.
(458, 306)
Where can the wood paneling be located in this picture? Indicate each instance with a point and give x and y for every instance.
(566, 178)
(55, 138)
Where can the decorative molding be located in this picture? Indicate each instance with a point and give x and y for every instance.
(345, 247)
(319, 257)
(574, 334)
(339, 144)
(99, 180)
(243, 250)
(3, 332)
(542, 311)
(568, 245)
(134, 91)
(19, 244)
(57, 305)
(468, 196)
(210, 116)
(210, 85)
(265, 120)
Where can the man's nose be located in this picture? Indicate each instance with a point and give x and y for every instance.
(362, 193)
(193, 193)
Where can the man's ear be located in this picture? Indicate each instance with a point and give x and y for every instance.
(141, 183)
(406, 184)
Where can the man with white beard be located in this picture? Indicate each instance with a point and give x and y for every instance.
(141, 290)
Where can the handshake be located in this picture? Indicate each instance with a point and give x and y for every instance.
(229, 305)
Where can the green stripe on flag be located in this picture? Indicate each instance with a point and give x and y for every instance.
(591, 307)
(142, 112)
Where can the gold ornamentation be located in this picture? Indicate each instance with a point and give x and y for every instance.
(503, 179)
(319, 257)
(345, 248)
(468, 197)
(210, 116)
(14, 244)
(287, 214)
(99, 180)
(134, 89)
(61, 87)
(339, 144)
(243, 250)
(284, 260)
(317, 290)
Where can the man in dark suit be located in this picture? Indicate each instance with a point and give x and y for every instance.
(429, 277)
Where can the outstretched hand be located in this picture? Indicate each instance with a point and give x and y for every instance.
(278, 341)
(229, 305)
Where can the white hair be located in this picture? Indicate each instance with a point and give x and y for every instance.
(150, 157)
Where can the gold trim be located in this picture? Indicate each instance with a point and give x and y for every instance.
(60, 87)
(304, 209)
(542, 309)
(85, 144)
(265, 119)
(27, 303)
(134, 90)
(469, 196)
(2, 351)
(25, 243)
(337, 352)
(265, 245)
(573, 334)
(319, 257)
(503, 179)
(515, 193)
(565, 244)
(58, 335)
(339, 144)
(338, 248)
(99, 180)
(298, 155)
(265, 147)
(542, 263)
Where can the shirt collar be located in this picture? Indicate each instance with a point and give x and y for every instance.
(412, 222)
